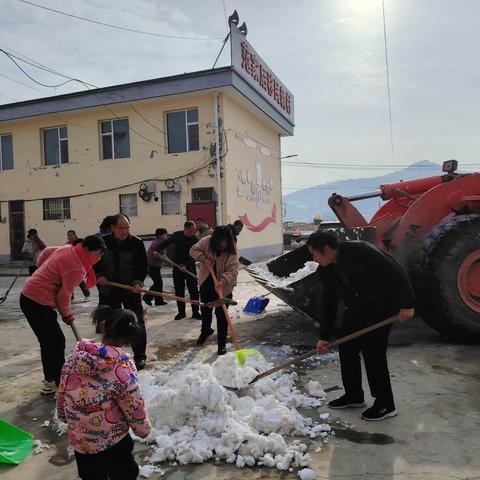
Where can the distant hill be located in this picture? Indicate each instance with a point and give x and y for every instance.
(303, 205)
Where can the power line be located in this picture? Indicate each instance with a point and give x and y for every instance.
(118, 27)
(21, 83)
(368, 166)
(33, 79)
(388, 80)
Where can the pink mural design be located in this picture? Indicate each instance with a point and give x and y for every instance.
(272, 218)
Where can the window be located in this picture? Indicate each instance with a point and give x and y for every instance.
(170, 203)
(128, 204)
(115, 139)
(200, 195)
(55, 146)
(56, 208)
(182, 131)
(6, 152)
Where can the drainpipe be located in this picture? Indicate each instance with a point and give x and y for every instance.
(217, 161)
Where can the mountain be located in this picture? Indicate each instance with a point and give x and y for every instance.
(304, 204)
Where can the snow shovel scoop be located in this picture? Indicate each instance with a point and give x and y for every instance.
(216, 303)
(312, 353)
(242, 354)
(15, 443)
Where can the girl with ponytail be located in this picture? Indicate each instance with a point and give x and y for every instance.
(100, 399)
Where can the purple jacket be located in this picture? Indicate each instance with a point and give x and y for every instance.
(152, 260)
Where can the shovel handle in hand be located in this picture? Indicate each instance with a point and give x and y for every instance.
(166, 260)
(305, 356)
(233, 332)
(75, 331)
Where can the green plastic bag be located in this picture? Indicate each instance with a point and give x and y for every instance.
(15, 444)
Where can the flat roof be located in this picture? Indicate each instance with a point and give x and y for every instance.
(216, 79)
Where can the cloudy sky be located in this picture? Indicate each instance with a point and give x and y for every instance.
(330, 53)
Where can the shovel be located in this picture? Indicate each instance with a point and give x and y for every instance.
(15, 443)
(216, 303)
(2, 299)
(312, 353)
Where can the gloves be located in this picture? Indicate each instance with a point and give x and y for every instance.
(69, 319)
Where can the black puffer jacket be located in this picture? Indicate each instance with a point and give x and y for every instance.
(369, 282)
(123, 261)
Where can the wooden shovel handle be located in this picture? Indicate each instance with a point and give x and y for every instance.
(233, 332)
(305, 356)
(154, 294)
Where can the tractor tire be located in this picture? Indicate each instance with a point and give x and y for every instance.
(446, 277)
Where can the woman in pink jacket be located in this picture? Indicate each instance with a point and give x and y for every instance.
(60, 270)
(100, 399)
(219, 251)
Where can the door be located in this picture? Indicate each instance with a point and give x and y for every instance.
(207, 210)
(16, 215)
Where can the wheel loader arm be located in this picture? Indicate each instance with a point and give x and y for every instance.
(346, 213)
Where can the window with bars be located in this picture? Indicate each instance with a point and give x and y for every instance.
(115, 139)
(200, 195)
(128, 204)
(55, 146)
(170, 203)
(6, 152)
(56, 208)
(182, 131)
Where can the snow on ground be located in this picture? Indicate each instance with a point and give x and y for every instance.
(196, 419)
(284, 282)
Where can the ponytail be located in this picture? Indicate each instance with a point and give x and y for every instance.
(119, 324)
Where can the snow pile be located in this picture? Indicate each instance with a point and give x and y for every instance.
(315, 389)
(196, 419)
(147, 471)
(307, 474)
(284, 282)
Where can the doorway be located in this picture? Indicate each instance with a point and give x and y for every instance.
(16, 214)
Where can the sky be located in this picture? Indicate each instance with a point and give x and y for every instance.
(329, 53)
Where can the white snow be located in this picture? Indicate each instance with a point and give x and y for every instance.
(284, 282)
(307, 474)
(195, 418)
(315, 389)
(147, 471)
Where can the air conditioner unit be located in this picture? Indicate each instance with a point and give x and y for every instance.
(151, 187)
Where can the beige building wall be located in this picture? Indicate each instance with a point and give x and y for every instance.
(86, 173)
(253, 180)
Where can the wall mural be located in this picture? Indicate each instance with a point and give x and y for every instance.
(253, 187)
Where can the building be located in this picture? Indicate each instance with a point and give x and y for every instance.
(152, 150)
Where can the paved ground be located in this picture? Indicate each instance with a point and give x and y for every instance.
(437, 390)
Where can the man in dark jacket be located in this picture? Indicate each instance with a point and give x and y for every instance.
(372, 286)
(124, 261)
(183, 240)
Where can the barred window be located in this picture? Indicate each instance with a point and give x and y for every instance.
(128, 204)
(170, 203)
(56, 208)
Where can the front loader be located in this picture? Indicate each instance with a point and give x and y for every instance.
(432, 226)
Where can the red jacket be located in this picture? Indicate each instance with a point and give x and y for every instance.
(60, 270)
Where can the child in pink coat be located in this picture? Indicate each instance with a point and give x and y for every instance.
(100, 400)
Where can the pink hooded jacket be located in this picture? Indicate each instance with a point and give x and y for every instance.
(99, 398)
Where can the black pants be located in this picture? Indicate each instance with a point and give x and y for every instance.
(373, 348)
(156, 275)
(118, 298)
(115, 463)
(32, 269)
(179, 280)
(208, 294)
(43, 321)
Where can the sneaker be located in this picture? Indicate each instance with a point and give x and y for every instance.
(196, 315)
(140, 364)
(345, 402)
(148, 301)
(222, 351)
(48, 388)
(203, 337)
(376, 413)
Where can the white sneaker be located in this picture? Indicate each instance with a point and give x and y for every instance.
(48, 388)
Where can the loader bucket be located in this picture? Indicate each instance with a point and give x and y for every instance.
(304, 295)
